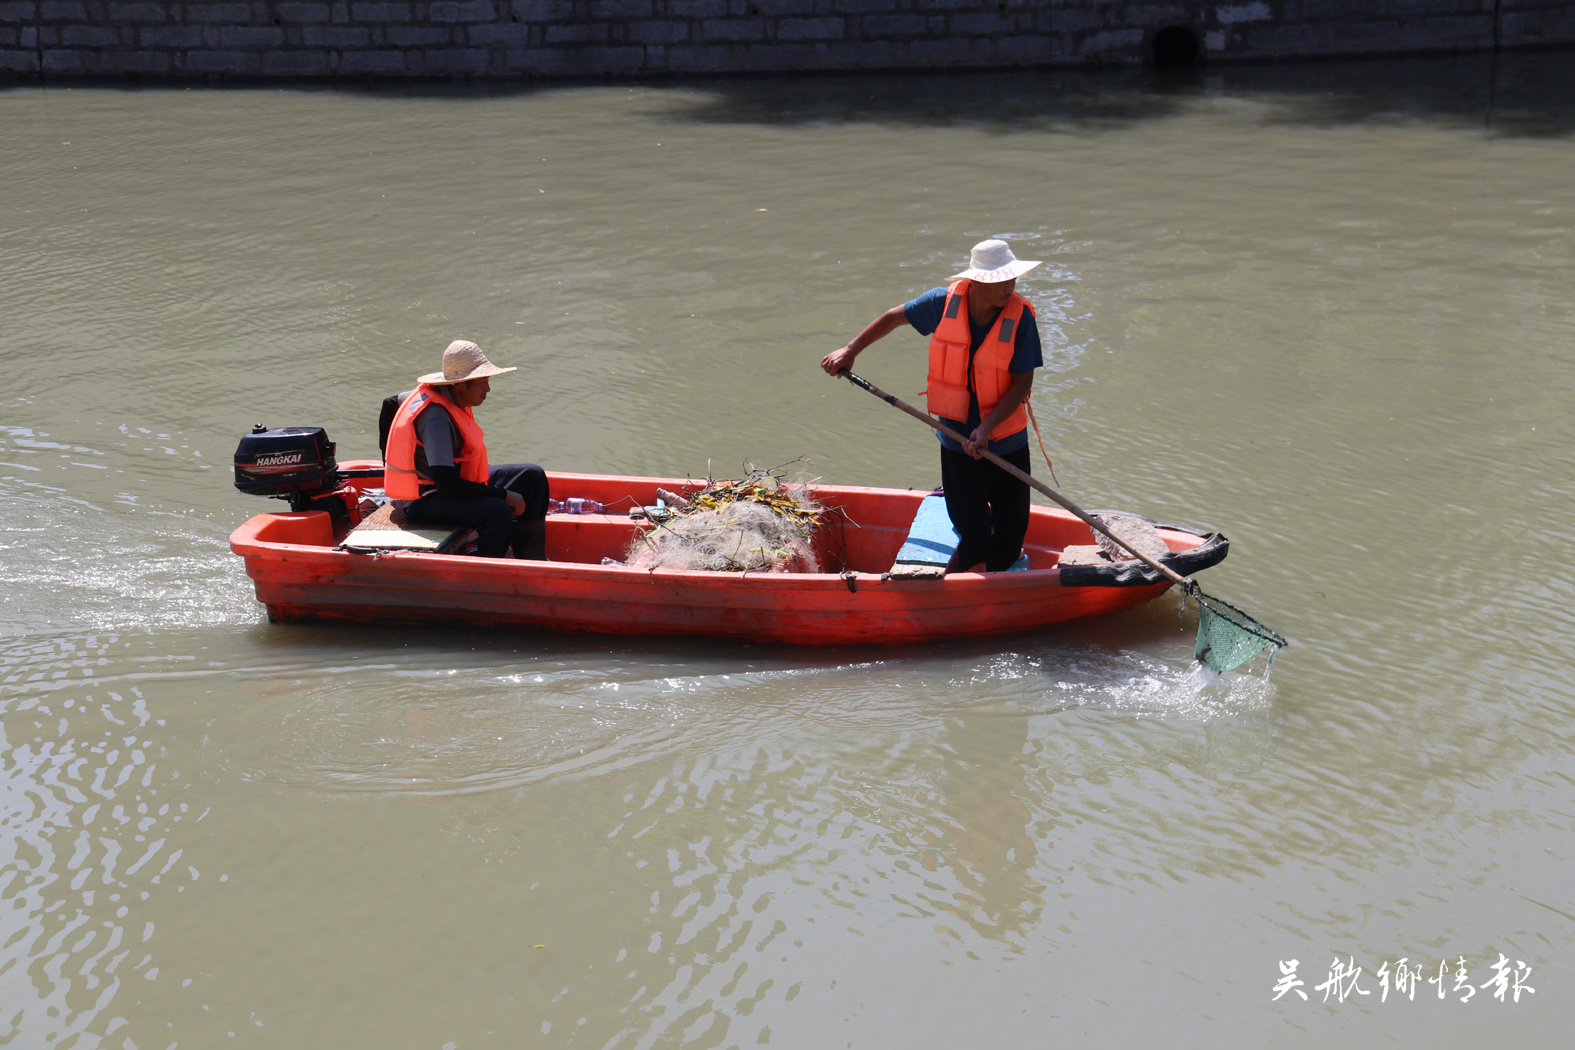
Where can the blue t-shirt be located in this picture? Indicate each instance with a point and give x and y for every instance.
(925, 313)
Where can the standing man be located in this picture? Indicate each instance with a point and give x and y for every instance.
(984, 347)
(437, 456)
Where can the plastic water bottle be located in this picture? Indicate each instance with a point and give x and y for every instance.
(574, 505)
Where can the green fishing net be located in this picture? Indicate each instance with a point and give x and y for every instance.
(1228, 637)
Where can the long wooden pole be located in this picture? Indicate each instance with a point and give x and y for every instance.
(1028, 479)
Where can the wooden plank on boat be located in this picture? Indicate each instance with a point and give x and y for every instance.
(388, 529)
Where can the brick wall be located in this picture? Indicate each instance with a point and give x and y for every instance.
(68, 39)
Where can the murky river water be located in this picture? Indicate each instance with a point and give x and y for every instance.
(1326, 309)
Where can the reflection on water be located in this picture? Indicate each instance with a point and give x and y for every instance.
(94, 836)
(1323, 308)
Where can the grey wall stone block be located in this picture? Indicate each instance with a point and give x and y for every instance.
(1022, 50)
(1285, 40)
(1478, 28)
(1072, 20)
(516, 34)
(1119, 43)
(1367, 33)
(8, 36)
(604, 59)
(1418, 7)
(418, 36)
(699, 59)
(1157, 16)
(313, 14)
(90, 36)
(1325, 10)
(865, 7)
(454, 60)
(19, 13)
(390, 62)
(948, 52)
(466, 11)
(61, 11)
(694, 9)
(250, 36)
(219, 61)
(861, 54)
(978, 23)
(1558, 11)
(62, 61)
(295, 63)
(659, 32)
(136, 13)
(1230, 14)
(812, 29)
(542, 10)
(134, 62)
(1534, 26)
(762, 8)
(733, 29)
(19, 61)
(218, 13)
(580, 33)
(884, 27)
(538, 60)
(183, 37)
(616, 9)
(335, 36)
(786, 56)
(380, 12)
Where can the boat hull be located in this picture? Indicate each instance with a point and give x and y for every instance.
(300, 576)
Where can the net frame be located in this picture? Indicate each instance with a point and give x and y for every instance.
(1228, 637)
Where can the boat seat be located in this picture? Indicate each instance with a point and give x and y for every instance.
(387, 529)
(931, 541)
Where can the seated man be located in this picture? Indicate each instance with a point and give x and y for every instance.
(437, 456)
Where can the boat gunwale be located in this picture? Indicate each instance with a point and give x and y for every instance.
(245, 542)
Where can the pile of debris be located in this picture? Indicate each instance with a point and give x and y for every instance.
(763, 523)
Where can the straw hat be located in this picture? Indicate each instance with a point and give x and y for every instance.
(461, 361)
(992, 262)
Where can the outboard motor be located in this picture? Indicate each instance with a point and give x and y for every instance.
(295, 464)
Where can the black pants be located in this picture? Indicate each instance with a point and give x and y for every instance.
(988, 508)
(496, 527)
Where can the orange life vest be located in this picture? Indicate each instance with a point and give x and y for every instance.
(992, 375)
(400, 479)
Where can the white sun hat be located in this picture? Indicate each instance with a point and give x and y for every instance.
(991, 262)
(461, 361)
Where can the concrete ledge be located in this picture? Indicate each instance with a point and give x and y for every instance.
(531, 39)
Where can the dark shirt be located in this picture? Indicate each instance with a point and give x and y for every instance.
(438, 437)
(924, 314)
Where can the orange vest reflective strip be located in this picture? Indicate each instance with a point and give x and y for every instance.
(992, 364)
(400, 479)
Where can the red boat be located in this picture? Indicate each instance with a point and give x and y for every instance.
(301, 573)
